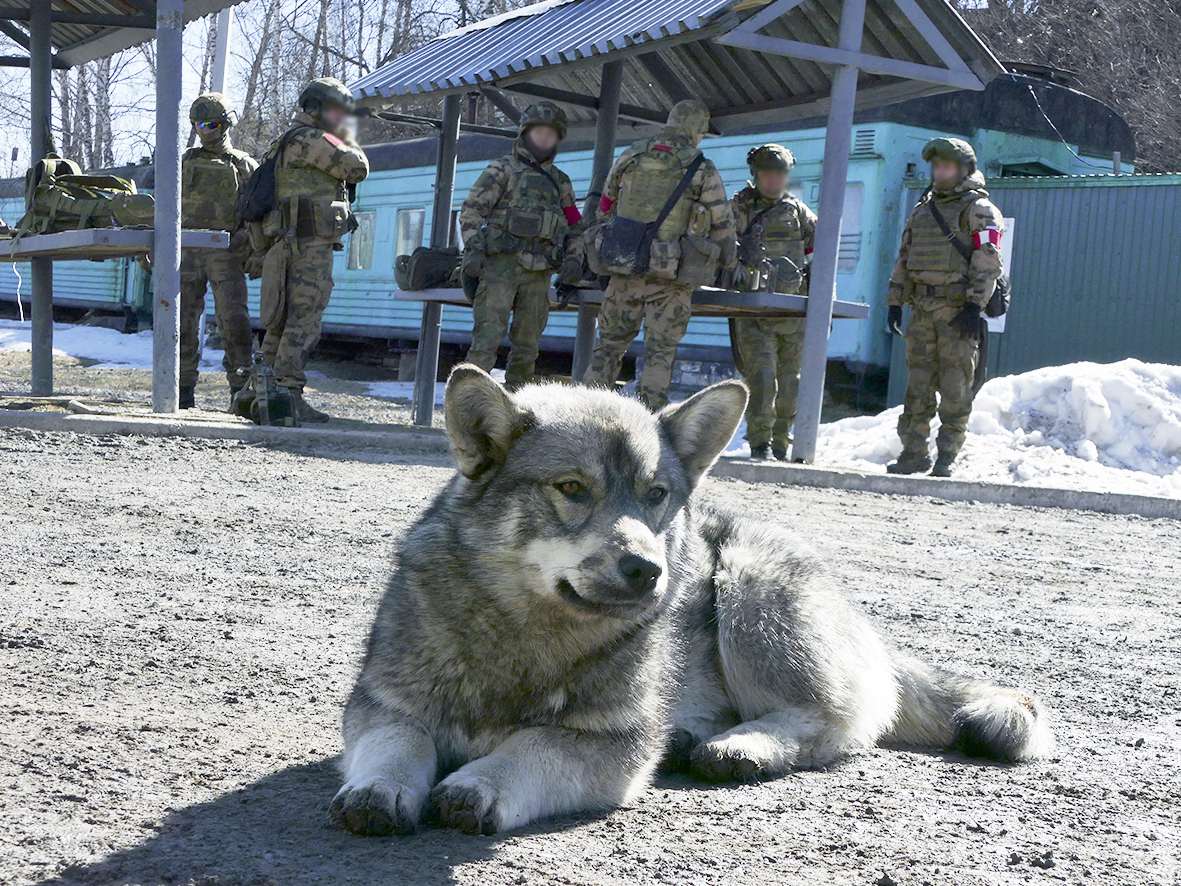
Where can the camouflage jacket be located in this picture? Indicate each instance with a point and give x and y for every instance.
(930, 271)
(706, 189)
(211, 178)
(490, 203)
(795, 217)
(317, 163)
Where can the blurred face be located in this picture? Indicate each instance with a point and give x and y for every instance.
(946, 173)
(771, 182)
(334, 115)
(544, 138)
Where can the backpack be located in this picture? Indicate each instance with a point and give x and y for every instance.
(59, 197)
(257, 199)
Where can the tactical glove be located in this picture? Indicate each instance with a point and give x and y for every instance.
(472, 263)
(571, 271)
(894, 319)
(968, 321)
(729, 254)
(567, 294)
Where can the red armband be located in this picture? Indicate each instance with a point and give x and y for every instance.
(809, 251)
(573, 216)
(987, 236)
(605, 204)
(333, 140)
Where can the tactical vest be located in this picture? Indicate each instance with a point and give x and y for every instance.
(783, 243)
(528, 219)
(930, 250)
(209, 190)
(312, 203)
(647, 184)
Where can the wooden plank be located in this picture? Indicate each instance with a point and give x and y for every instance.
(97, 244)
(707, 302)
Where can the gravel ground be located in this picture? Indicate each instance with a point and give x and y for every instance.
(183, 619)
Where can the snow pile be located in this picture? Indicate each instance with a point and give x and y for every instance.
(109, 347)
(1099, 427)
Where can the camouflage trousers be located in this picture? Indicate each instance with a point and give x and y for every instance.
(770, 353)
(297, 283)
(939, 362)
(221, 271)
(664, 309)
(507, 289)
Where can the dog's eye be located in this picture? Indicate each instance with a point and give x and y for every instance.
(656, 495)
(571, 489)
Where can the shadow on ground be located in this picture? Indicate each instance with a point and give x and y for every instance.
(276, 832)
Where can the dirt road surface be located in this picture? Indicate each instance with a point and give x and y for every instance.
(181, 622)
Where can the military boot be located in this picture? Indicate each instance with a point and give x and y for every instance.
(304, 411)
(943, 465)
(762, 452)
(780, 454)
(910, 463)
(188, 399)
(234, 392)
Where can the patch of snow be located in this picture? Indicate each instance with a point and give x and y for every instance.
(109, 347)
(1098, 427)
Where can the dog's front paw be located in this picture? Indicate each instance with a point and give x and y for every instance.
(467, 802)
(718, 761)
(376, 809)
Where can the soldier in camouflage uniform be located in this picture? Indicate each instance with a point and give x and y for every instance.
(211, 176)
(638, 186)
(776, 234)
(316, 167)
(519, 224)
(947, 294)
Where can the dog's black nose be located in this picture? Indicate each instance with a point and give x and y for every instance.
(640, 572)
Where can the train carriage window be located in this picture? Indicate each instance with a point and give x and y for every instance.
(361, 242)
(850, 248)
(409, 230)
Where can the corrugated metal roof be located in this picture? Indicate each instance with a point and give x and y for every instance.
(76, 44)
(668, 46)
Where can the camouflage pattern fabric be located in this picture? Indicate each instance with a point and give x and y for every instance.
(294, 329)
(788, 231)
(706, 191)
(220, 270)
(664, 310)
(211, 176)
(506, 288)
(771, 354)
(930, 272)
(492, 196)
(938, 362)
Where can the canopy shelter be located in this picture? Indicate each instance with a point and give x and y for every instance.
(619, 65)
(64, 33)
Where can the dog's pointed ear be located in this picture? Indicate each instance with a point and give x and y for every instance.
(701, 426)
(482, 420)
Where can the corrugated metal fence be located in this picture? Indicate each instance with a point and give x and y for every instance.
(1096, 272)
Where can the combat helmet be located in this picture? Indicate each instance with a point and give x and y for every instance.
(212, 107)
(690, 117)
(775, 157)
(954, 149)
(327, 91)
(543, 114)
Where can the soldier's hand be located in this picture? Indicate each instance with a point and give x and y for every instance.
(571, 271)
(968, 321)
(566, 294)
(894, 319)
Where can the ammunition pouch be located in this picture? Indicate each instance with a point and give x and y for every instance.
(789, 277)
(311, 218)
(622, 246)
(700, 258)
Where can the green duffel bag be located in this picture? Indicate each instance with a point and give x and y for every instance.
(58, 197)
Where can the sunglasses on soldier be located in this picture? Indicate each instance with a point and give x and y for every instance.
(216, 124)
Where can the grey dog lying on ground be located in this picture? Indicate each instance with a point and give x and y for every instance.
(565, 616)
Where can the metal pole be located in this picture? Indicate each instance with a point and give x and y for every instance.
(221, 51)
(426, 369)
(605, 130)
(823, 287)
(1117, 162)
(166, 258)
(41, 269)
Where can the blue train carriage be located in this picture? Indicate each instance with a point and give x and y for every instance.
(1032, 123)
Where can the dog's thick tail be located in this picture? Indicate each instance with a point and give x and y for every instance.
(937, 710)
